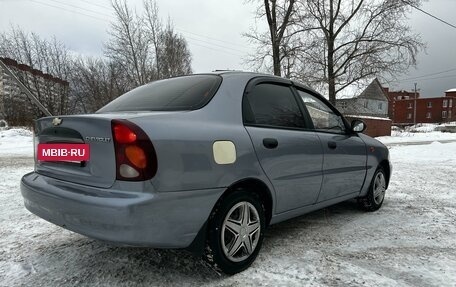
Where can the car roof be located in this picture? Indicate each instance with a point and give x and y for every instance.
(245, 73)
(251, 75)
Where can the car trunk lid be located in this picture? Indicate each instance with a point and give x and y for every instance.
(100, 169)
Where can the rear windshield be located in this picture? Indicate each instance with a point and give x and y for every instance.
(175, 94)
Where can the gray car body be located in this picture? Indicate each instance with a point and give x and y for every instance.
(172, 209)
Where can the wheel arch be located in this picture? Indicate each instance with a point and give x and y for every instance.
(254, 185)
(385, 165)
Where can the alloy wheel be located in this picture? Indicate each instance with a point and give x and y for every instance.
(379, 188)
(240, 231)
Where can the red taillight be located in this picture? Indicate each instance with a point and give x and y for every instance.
(123, 134)
(136, 159)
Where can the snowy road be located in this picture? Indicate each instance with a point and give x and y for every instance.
(411, 241)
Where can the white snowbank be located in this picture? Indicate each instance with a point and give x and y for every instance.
(406, 137)
(418, 133)
(16, 142)
(434, 152)
(368, 117)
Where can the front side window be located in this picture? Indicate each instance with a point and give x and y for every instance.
(409, 116)
(428, 115)
(272, 105)
(445, 103)
(451, 103)
(323, 117)
(380, 106)
(429, 105)
(410, 105)
(444, 114)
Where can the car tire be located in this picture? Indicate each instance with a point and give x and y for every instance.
(236, 231)
(376, 194)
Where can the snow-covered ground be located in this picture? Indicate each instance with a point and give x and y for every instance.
(410, 241)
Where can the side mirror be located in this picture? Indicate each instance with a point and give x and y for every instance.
(358, 126)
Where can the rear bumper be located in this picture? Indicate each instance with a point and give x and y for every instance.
(160, 220)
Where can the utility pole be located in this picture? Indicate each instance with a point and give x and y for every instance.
(24, 89)
(414, 108)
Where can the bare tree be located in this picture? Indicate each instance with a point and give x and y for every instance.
(274, 43)
(344, 42)
(175, 58)
(154, 29)
(129, 45)
(145, 49)
(96, 82)
(362, 39)
(277, 30)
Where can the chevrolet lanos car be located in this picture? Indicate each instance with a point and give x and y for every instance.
(205, 162)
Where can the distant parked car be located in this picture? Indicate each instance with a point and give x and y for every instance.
(204, 162)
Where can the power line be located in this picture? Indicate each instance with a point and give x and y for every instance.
(188, 32)
(435, 78)
(429, 14)
(99, 5)
(215, 46)
(80, 8)
(426, 75)
(214, 49)
(422, 79)
(68, 10)
(211, 38)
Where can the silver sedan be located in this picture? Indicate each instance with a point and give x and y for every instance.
(204, 162)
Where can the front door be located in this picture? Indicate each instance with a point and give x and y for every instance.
(344, 160)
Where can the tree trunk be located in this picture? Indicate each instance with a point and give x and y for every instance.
(330, 38)
(331, 78)
(275, 41)
(276, 59)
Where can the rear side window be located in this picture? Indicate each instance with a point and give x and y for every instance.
(175, 94)
(272, 105)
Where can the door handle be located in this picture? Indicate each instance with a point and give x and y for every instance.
(332, 145)
(270, 143)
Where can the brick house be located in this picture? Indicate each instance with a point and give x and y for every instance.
(405, 109)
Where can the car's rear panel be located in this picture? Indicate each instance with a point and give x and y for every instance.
(100, 169)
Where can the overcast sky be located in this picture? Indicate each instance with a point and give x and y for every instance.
(213, 30)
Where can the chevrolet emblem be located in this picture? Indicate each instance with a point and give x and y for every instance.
(56, 121)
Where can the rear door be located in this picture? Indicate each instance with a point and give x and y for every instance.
(289, 152)
(344, 161)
